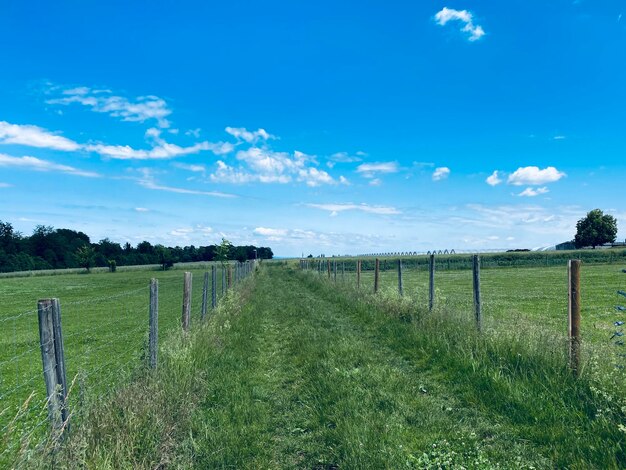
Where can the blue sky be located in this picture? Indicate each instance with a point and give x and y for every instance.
(313, 127)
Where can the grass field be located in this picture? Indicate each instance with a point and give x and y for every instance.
(295, 371)
(105, 325)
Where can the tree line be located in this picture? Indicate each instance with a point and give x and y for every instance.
(50, 248)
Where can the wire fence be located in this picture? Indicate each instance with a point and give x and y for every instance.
(105, 325)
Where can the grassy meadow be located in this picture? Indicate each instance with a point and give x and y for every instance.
(297, 371)
(105, 328)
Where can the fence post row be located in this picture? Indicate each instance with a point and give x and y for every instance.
(573, 317)
(376, 276)
(153, 335)
(431, 283)
(53, 359)
(400, 286)
(477, 299)
(186, 301)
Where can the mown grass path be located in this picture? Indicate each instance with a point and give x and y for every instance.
(300, 380)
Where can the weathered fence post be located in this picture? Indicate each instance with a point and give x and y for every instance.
(223, 280)
(153, 334)
(335, 270)
(431, 283)
(53, 359)
(400, 286)
(186, 301)
(573, 272)
(358, 274)
(213, 286)
(477, 300)
(328, 267)
(229, 276)
(376, 275)
(343, 271)
(205, 296)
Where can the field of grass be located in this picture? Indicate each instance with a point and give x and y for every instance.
(296, 371)
(105, 326)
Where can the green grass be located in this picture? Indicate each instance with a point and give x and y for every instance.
(295, 372)
(105, 324)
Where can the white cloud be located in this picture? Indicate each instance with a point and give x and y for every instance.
(192, 168)
(441, 173)
(448, 14)
(376, 182)
(494, 179)
(343, 180)
(314, 177)
(369, 170)
(143, 108)
(267, 166)
(162, 150)
(36, 164)
(532, 192)
(5, 185)
(34, 136)
(559, 137)
(147, 181)
(380, 210)
(270, 232)
(251, 137)
(533, 176)
(141, 209)
(345, 157)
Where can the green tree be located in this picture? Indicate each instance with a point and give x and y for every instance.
(595, 229)
(165, 257)
(85, 256)
(223, 251)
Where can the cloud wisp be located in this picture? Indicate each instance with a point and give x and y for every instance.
(141, 109)
(34, 136)
(251, 137)
(37, 164)
(441, 173)
(446, 15)
(534, 176)
(334, 209)
(494, 179)
(148, 181)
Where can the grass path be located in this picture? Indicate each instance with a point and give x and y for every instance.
(301, 381)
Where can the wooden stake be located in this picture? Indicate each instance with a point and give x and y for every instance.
(477, 299)
(431, 283)
(574, 314)
(205, 296)
(153, 335)
(376, 276)
(186, 302)
(213, 286)
(400, 286)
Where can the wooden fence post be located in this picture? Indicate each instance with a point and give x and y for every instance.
(223, 280)
(376, 275)
(573, 272)
(205, 296)
(328, 267)
(400, 286)
(213, 286)
(431, 283)
(335, 270)
(477, 299)
(186, 301)
(229, 277)
(358, 274)
(53, 359)
(153, 334)
(343, 271)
